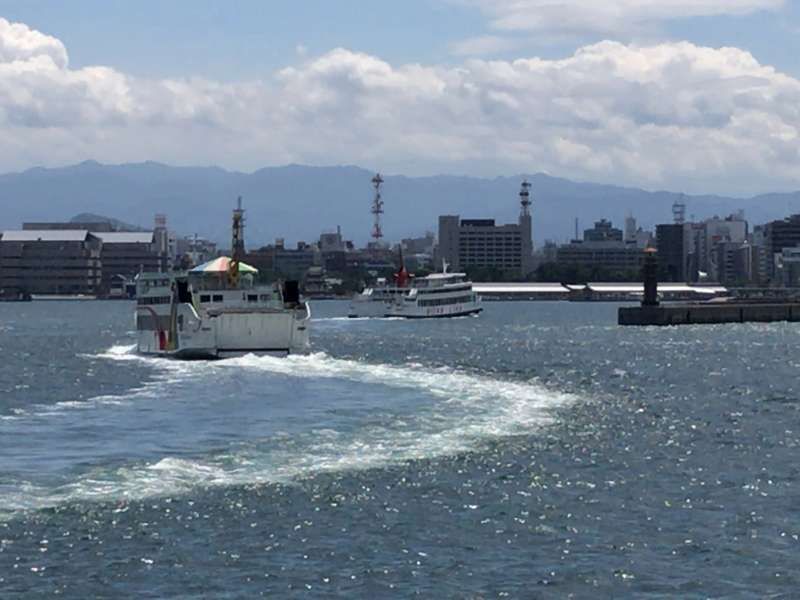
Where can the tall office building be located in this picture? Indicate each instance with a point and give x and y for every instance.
(673, 242)
(779, 235)
(482, 244)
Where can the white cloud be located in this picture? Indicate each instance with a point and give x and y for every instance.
(19, 42)
(605, 15)
(659, 115)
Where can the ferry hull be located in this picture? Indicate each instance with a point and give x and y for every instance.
(464, 313)
(228, 334)
(368, 309)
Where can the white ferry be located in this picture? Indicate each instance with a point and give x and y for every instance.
(215, 310)
(437, 295)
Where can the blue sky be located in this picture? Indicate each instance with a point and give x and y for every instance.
(624, 91)
(252, 38)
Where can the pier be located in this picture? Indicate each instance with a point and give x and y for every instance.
(709, 313)
(652, 312)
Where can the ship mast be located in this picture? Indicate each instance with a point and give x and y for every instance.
(377, 208)
(237, 244)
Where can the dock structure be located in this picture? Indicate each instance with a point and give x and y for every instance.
(652, 312)
(593, 292)
(710, 313)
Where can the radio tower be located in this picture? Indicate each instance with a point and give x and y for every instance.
(679, 211)
(525, 199)
(377, 208)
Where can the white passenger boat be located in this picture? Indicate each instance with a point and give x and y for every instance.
(437, 295)
(216, 310)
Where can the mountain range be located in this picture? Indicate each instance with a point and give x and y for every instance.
(298, 202)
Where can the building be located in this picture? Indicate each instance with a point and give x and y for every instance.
(603, 231)
(636, 235)
(616, 256)
(706, 236)
(787, 267)
(123, 254)
(194, 250)
(332, 242)
(630, 228)
(779, 235)
(673, 242)
(282, 262)
(69, 225)
(50, 262)
(420, 245)
(482, 244)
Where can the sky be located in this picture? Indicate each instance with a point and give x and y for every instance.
(701, 96)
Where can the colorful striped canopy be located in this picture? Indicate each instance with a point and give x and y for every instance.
(221, 265)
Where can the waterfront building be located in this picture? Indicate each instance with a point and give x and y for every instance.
(673, 241)
(778, 235)
(613, 255)
(731, 231)
(126, 253)
(123, 254)
(482, 244)
(51, 262)
(787, 267)
(739, 263)
(69, 225)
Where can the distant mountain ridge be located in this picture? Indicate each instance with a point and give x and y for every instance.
(116, 224)
(298, 202)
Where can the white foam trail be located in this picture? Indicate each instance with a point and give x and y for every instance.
(455, 386)
(120, 352)
(471, 409)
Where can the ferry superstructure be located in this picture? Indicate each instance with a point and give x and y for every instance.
(216, 310)
(436, 295)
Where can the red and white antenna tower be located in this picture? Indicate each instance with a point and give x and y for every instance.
(525, 198)
(377, 208)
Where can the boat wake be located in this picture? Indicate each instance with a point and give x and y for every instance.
(463, 412)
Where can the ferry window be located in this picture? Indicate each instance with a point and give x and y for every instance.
(217, 297)
(265, 298)
(205, 298)
(252, 297)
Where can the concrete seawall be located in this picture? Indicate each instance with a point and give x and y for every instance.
(700, 314)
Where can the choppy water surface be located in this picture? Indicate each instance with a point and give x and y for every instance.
(536, 451)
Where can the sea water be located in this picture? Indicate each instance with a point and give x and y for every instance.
(538, 450)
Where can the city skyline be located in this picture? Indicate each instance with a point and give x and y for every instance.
(693, 96)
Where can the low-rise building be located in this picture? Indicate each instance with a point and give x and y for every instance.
(286, 263)
(50, 262)
(124, 254)
(610, 255)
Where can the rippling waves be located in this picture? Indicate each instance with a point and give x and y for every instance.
(536, 451)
